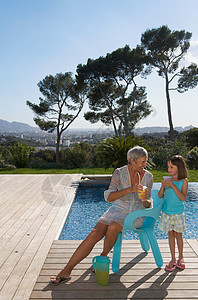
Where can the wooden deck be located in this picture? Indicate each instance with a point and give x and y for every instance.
(138, 278)
(32, 211)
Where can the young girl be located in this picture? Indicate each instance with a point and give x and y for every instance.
(174, 191)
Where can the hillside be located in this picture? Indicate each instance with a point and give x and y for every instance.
(17, 127)
(6, 126)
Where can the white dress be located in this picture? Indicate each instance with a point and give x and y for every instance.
(128, 203)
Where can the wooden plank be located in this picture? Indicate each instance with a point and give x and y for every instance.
(122, 271)
(67, 254)
(128, 278)
(194, 245)
(123, 293)
(115, 286)
(138, 265)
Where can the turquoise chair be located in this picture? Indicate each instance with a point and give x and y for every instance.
(145, 233)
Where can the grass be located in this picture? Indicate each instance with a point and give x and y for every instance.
(157, 174)
(57, 171)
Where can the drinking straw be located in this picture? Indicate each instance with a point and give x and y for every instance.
(139, 177)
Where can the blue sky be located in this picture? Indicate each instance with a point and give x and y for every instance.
(42, 37)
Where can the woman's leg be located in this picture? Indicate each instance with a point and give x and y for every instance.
(111, 236)
(171, 239)
(83, 250)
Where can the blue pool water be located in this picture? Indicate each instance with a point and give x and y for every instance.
(89, 205)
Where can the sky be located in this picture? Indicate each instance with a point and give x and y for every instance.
(43, 37)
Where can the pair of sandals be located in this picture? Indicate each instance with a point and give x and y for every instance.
(173, 265)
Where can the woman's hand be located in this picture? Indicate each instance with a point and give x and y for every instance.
(135, 188)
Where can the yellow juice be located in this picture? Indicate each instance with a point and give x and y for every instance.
(102, 277)
(141, 193)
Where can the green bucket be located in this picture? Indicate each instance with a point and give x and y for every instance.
(101, 267)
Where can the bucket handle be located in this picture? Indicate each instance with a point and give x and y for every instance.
(95, 258)
(94, 263)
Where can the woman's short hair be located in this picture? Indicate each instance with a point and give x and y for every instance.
(135, 153)
(178, 160)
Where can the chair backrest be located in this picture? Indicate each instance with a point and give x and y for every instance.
(156, 200)
(150, 214)
(155, 211)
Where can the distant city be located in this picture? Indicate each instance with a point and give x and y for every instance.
(70, 136)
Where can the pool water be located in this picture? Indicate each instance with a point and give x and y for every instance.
(89, 205)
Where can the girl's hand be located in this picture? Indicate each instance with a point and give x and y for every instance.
(168, 183)
(163, 183)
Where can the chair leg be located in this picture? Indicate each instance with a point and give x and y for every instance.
(144, 241)
(155, 247)
(117, 253)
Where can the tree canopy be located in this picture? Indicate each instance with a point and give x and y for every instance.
(61, 96)
(166, 49)
(114, 96)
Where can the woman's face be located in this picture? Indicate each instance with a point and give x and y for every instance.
(141, 163)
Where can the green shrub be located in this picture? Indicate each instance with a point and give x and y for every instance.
(20, 155)
(192, 159)
(113, 151)
(5, 156)
(41, 158)
(191, 137)
(79, 156)
(161, 153)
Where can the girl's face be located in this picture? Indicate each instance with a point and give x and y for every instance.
(172, 169)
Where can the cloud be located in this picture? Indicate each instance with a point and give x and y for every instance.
(192, 54)
(191, 58)
(193, 43)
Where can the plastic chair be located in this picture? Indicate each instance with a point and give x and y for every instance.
(145, 233)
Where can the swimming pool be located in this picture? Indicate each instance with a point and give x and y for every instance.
(89, 205)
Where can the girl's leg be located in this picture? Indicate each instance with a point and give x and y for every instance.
(83, 250)
(172, 264)
(179, 239)
(171, 239)
(111, 236)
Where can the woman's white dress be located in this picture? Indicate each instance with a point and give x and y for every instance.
(128, 203)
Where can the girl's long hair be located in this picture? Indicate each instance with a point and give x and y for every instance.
(178, 160)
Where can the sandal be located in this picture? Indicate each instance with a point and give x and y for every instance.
(62, 280)
(171, 266)
(180, 264)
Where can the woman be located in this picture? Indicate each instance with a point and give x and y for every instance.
(123, 192)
